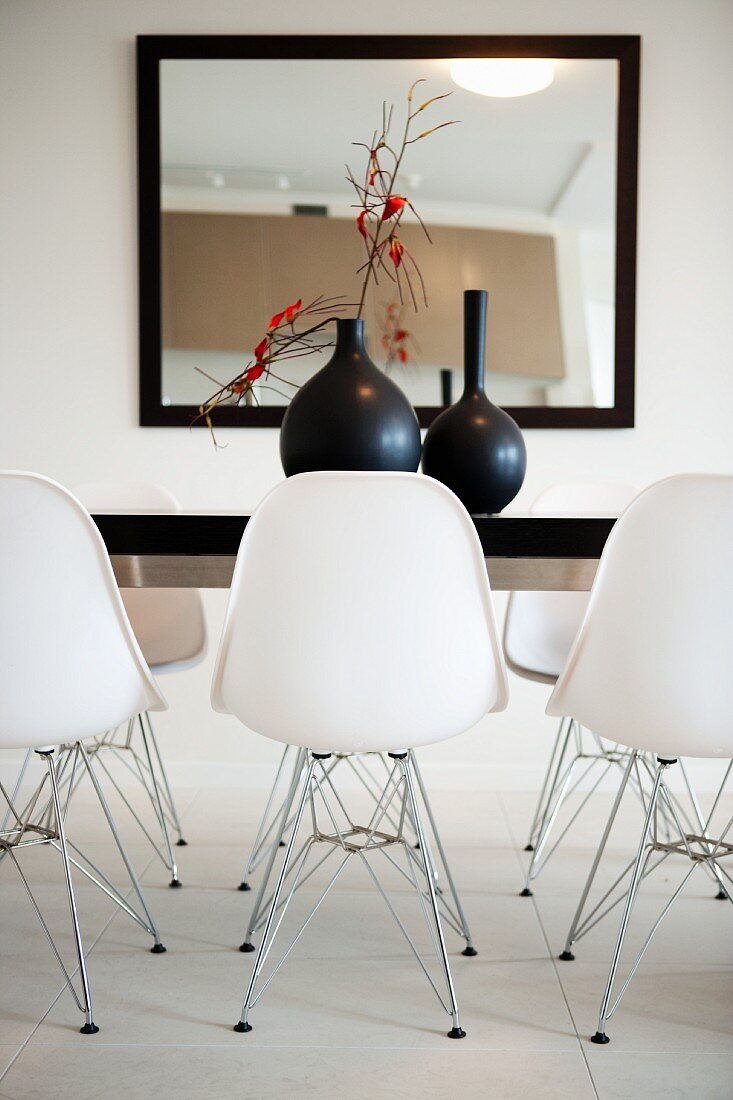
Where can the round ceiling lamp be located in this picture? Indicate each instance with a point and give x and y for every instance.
(503, 76)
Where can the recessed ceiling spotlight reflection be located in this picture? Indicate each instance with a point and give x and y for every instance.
(282, 183)
(216, 179)
(503, 76)
(413, 180)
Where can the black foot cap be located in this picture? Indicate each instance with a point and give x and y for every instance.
(175, 883)
(566, 956)
(181, 843)
(158, 949)
(242, 1027)
(721, 895)
(246, 947)
(600, 1037)
(526, 893)
(469, 952)
(282, 844)
(416, 847)
(456, 1033)
(244, 886)
(89, 1029)
(529, 847)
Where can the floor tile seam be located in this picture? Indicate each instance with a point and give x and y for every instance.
(455, 1050)
(552, 958)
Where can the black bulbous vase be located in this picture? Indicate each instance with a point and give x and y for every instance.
(475, 448)
(350, 415)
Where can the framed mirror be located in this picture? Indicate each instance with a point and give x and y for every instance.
(244, 208)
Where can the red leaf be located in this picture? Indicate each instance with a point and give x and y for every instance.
(402, 355)
(401, 334)
(261, 349)
(393, 205)
(254, 373)
(292, 311)
(396, 248)
(275, 321)
(360, 223)
(238, 388)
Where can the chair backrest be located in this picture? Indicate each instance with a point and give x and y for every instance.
(70, 666)
(360, 616)
(120, 497)
(651, 665)
(540, 627)
(169, 623)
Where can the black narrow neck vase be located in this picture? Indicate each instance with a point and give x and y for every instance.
(350, 415)
(475, 448)
(474, 343)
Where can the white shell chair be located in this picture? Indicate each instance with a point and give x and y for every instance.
(69, 667)
(539, 630)
(651, 669)
(360, 620)
(170, 629)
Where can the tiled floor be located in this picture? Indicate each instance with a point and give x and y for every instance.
(351, 1016)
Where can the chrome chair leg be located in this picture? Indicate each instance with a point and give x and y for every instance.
(546, 790)
(243, 1023)
(567, 954)
(607, 1010)
(555, 795)
(151, 927)
(16, 790)
(724, 892)
(264, 831)
(469, 950)
(89, 1027)
(97, 753)
(407, 764)
(181, 843)
(300, 760)
(158, 806)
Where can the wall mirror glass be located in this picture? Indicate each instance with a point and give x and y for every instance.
(244, 208)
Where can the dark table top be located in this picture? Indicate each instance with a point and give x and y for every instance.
(219, 533)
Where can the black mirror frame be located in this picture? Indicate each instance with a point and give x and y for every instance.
(151, 49)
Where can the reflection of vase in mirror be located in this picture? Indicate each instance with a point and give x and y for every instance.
(475, 448)
(350, 415)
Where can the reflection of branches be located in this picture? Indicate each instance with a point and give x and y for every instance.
(381, 208)
(396, 339)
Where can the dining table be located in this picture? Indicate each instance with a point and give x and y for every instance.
(198, 549)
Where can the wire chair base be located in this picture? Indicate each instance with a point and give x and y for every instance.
(331, 828)
(691, 840)
(275, 826)
(43, 822)
(134, 749)
(579, 757)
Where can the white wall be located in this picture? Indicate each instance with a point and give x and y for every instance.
(69, 386)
